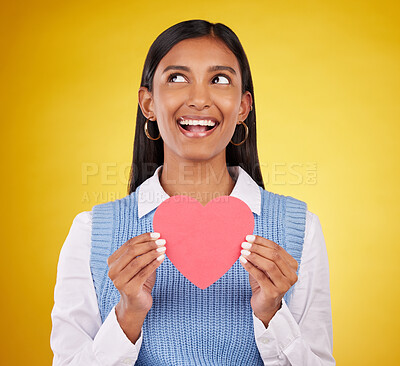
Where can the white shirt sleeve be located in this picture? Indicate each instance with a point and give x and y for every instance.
(301, 334)
(78, 336)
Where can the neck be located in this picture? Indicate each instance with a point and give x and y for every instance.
(202, 180)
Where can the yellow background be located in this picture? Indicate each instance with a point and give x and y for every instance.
(326, 78)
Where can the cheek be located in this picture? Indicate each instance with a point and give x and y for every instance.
(229, 105)
(167, 102)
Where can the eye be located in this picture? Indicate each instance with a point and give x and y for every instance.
(222, 77)
(225, 79)
(173, 76)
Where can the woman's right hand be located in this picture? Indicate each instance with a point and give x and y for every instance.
(132, 269)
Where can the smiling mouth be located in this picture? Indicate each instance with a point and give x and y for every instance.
(197, 126)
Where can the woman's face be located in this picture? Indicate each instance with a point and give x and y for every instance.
(196, 82)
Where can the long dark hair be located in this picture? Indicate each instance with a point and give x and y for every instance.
(149, 154)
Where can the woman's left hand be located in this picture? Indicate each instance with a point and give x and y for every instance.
(272, 271)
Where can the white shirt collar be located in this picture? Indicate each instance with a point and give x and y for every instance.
(151, 193)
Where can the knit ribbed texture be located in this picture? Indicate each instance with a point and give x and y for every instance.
(187, 325)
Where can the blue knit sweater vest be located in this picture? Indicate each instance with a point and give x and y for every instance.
(187, 325)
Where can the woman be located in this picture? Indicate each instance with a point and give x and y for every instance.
(118, 298)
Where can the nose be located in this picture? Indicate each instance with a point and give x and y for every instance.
(199, 97)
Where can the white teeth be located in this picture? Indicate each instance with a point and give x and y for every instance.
(196, 122)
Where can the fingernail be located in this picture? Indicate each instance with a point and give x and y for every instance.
(242, 259)
(244, 252)
(155, 235)
(161, 249)
(250, 238)
(160, 242)
(161, 257)
(246, 245)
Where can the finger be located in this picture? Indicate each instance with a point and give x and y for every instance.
(131, 253)
(270, 268)
(135, 266)
(271, 244)
(258, 275)
(275, 255)
(141, 277)
(135, 240)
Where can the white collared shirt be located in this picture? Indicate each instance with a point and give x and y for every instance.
(299, 334)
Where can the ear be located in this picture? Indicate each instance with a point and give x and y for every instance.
(246, 103)
(146, 102)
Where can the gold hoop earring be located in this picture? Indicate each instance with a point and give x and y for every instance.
(146, 131)
(246, 134)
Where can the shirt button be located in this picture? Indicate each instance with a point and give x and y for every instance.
(280, 357)
(265, 340)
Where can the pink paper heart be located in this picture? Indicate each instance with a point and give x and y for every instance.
(203, 242)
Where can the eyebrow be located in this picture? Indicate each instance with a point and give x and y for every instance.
(210, 69)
